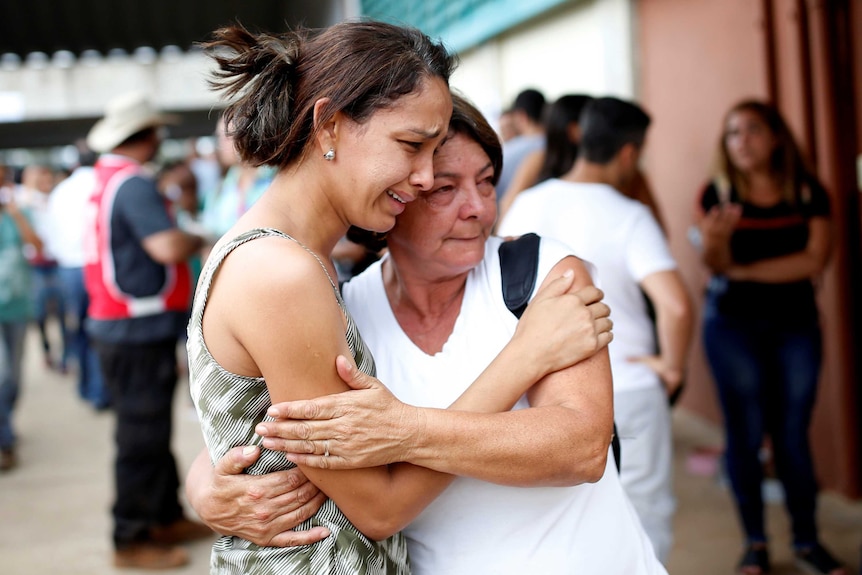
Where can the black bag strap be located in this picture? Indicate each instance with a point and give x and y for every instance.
(519, 266)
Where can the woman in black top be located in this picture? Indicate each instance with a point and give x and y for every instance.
(765, 229)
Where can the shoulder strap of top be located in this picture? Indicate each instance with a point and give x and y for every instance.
(215, 260)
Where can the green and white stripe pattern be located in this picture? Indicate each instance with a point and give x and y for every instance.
(229, 406)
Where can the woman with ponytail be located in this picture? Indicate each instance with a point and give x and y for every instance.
(350, 117)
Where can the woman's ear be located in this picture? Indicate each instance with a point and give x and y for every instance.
(327, 131)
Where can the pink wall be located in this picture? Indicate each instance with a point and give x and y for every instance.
(690, 55)
(697, 58)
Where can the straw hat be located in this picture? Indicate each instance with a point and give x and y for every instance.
(124, 116)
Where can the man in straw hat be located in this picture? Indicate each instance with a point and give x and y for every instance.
(139, 289)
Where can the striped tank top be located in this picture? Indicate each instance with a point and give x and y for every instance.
(229, 406)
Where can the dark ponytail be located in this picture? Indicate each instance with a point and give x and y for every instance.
(258, 74)
(274, 81)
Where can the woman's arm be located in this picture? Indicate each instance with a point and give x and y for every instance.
(716, 227)
(562, 440)
(277, 502)
(805, 264)
(294, 356)
(25, 229)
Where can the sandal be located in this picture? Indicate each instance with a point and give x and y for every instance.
(817, 561)
(755, 561)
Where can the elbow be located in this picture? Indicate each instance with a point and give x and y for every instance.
(380, 526)
(596, 463)
(589, 463)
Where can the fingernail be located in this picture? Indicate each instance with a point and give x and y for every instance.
(261, 430)
(248, 450)
(568, 273)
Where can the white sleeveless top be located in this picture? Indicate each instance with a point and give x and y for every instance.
(476, 527)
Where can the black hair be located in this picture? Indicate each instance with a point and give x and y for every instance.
(560, 151)
(140, 136)
(607, 124)
(532, 102)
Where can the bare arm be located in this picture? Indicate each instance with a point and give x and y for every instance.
(295, 359)
(562, 440)
(25, 229)
(674, 324)
(277, 502)
(716, 227)
(171, 246)
(805, 264)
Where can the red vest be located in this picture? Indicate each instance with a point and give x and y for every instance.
(107, 299)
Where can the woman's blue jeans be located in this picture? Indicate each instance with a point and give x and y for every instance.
(766, 376)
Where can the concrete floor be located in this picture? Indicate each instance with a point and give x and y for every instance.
(54, 508)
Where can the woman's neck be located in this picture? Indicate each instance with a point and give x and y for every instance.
(763, 189)
(426, 308)
(299, 207)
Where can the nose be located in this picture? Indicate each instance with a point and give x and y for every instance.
(422, 175)
(473, 204)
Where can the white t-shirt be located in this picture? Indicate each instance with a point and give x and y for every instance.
(622, 239)
(478, 527)
(67, 206)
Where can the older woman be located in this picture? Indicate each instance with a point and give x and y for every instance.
(433, 312)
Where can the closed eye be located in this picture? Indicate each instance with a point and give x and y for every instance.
(412, 145)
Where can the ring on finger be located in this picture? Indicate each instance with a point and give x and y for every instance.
(326, 448)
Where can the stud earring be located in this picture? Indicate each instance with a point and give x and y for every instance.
(330, 155)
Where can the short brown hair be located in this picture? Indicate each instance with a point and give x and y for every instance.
(469, 121)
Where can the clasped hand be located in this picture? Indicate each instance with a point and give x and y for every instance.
(368, 426)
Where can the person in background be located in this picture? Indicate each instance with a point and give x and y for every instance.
(177, 182)
(506, 126)
(33, 195)
(67, 209)
(526, 113)
(559, 155)
(139, 287)
(562, 135)
(16, 232)
(764, 222)
(239, 189)
(585, 210)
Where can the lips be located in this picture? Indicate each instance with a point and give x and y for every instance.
(396, 197)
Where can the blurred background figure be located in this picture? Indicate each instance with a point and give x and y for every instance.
(586, 210)
(765, 228)
(241, 186)
(16, 232)
(139, 287)
(526, 116)
(37, 182)
(506, 126)
(562, 135)
(67, 208)
(178, 183)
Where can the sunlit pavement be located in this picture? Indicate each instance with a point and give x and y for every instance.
(55, 506)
